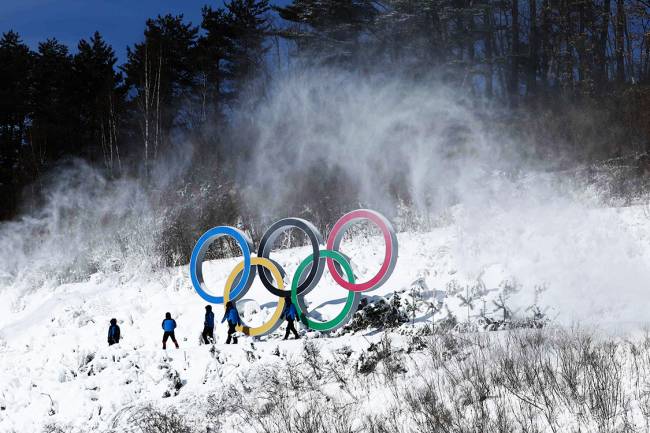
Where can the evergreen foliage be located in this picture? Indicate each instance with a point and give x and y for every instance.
(544, 59)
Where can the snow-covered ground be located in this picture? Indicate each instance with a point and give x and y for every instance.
(55, 366)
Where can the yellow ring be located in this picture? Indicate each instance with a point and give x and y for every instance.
(276, 318)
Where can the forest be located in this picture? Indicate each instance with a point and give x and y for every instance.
(571, 78)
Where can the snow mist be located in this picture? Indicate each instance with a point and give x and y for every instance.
(394, 145)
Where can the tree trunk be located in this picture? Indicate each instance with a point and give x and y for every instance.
(620, 44)
(513, 81)
(545, 38)
(531, 82)
(489, 52)
(601, 56)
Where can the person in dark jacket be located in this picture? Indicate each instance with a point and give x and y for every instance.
(290, 314)
(232, 316)
(208, 325)
(169, 325)
(113, 333)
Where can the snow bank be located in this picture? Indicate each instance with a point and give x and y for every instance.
(55, 366)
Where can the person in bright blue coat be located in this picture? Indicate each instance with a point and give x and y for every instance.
(169, 325)
(290, 314)
(232, 316)
(208, 325)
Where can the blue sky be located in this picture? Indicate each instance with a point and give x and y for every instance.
(121, 22)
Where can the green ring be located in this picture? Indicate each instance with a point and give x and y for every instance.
(351, 302)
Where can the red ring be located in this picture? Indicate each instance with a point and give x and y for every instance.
(343, 221)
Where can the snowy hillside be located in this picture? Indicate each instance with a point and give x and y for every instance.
(55, 366)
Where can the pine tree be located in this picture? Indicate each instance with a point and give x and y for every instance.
(213, 53)
(235, 46)
(161, 71)
(249, 28)
(16, 61)
(99, 100)
(334, 28)
(54, 129)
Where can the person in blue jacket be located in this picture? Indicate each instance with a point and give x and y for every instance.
(208, 325)
(232, 316)
(113, 333)
(169, 325)
(290, 314)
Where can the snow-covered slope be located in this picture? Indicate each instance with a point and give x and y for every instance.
(55, 366)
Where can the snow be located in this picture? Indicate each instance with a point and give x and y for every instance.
(55, 366)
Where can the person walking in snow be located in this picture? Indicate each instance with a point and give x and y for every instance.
(113, 333)
(290, 314)
(208, 325)
(169, 325)
(232, 316)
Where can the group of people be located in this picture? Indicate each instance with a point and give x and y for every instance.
(231, 316)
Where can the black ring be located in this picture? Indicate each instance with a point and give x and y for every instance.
(266, 244)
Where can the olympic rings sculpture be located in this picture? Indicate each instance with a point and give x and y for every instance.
(241, 278)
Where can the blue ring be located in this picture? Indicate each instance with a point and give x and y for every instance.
(198, 254)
